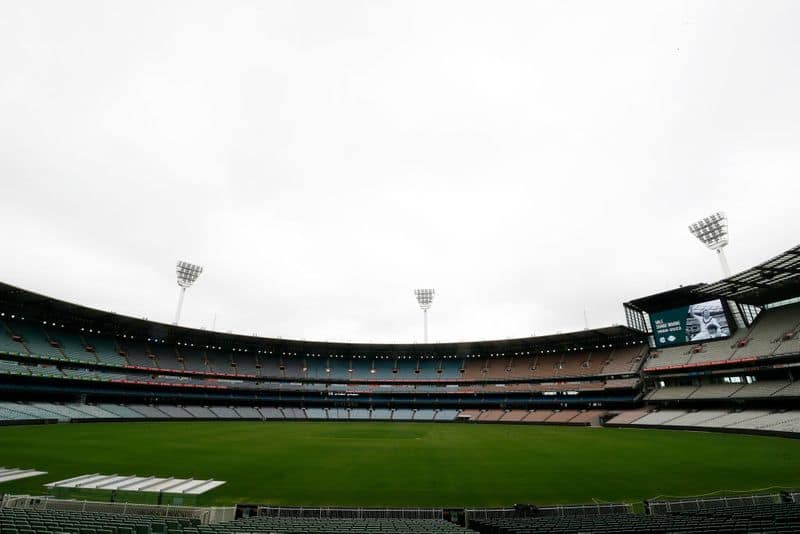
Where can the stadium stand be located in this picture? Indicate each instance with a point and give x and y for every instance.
(490, 415)
(150, 412)
(760, 389)
(783, 422)
(224, 412)
(34, 340)
(773, 333)
(671, 393)
(715, 391)
(514, 416)
(360, 414)
(588, 417)
(441, 415)
(105, 349)
(176, 412)
(562, 416)
(331, 525)
(424, 415)
(316, 413)
(470, 415)
(768, 517)
(247, 412)
(769, 332)
(200, 412)
(696, 418)
(270, 413)
(659, 417)
(538, 416)
(121, 411)
(731, 419)
(72, 346)
(790, 390)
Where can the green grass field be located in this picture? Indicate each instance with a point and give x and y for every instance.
(406, 464)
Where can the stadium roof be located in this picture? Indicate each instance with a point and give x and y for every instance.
(30, 305)
(772, 281)
(674, 298)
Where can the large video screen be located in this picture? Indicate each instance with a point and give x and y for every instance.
(699, 322)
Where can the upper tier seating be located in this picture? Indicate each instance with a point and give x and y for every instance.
(776, 331)
(105, 348)
(625, 360)
(768, 333)
(34, 339)
(30, 338)
(72, 346)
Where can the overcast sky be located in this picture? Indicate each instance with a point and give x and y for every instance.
(322, 159)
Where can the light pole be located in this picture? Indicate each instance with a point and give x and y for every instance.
(425, 299)
(187, 275)
(713, 233)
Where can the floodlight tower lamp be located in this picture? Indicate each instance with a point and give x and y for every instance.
(187, 274)
(712, 231)
(425, 300)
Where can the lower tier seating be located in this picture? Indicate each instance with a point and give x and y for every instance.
(753, 420)
(763, 518)
(32, 521)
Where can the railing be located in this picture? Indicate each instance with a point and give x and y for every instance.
(206, 515)
(695, 505)
(350, 513)
(484, 514)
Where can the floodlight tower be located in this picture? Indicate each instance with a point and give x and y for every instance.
(425, 299)
(713, 233)
(187, 275)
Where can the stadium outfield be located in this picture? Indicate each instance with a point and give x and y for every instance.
(560, 419)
